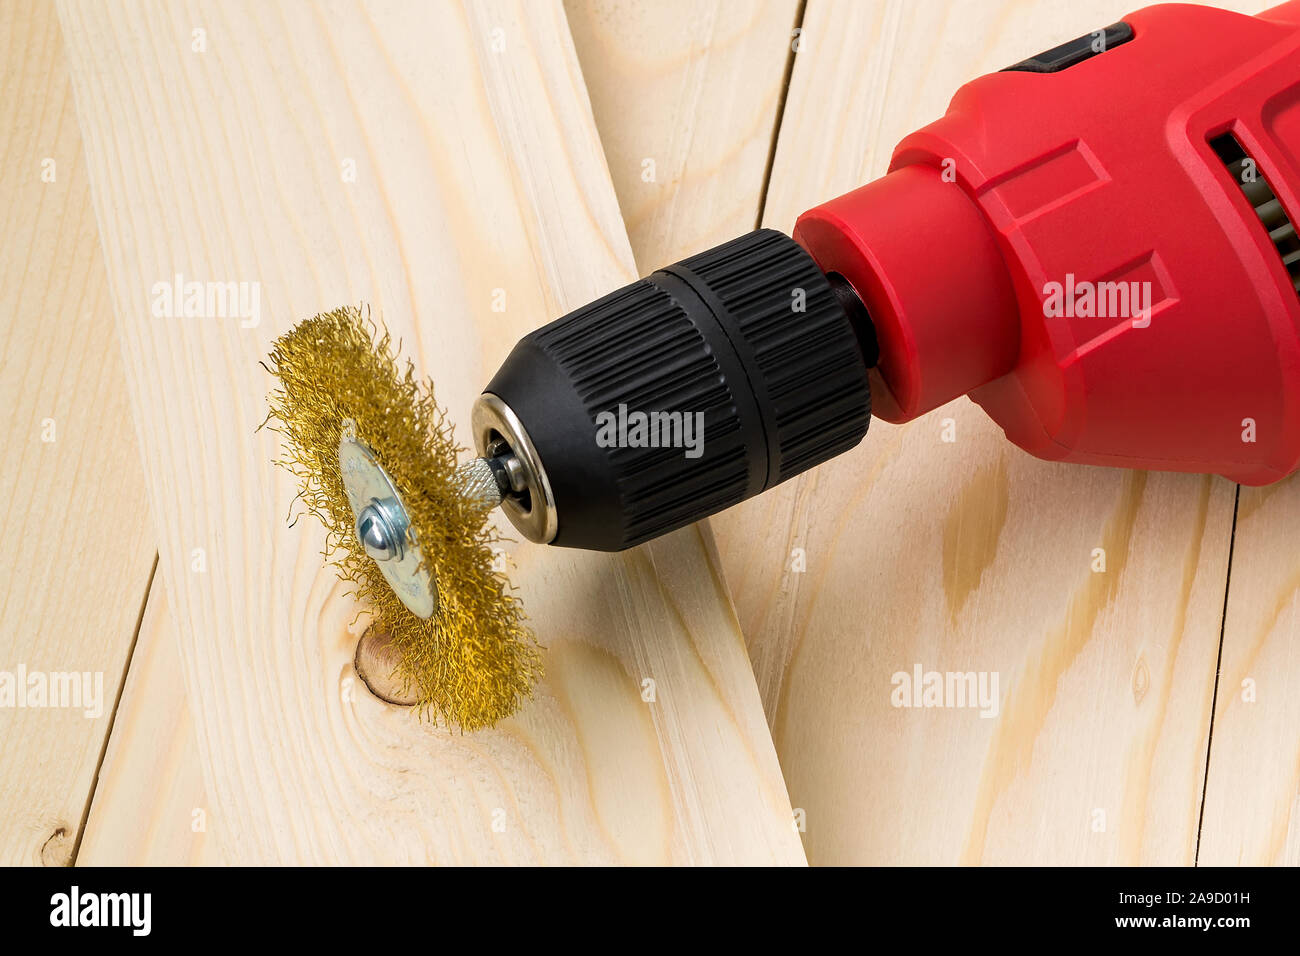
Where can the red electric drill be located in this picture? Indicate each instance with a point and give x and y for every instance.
(1098, 245)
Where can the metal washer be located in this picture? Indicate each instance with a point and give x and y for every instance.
(366, 483)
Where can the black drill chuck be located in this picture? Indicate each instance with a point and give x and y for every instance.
(681, 394)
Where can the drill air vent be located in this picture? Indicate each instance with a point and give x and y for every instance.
(1281, 229)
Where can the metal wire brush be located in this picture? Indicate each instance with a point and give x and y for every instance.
(377, 465)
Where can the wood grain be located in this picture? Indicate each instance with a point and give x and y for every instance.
(150, 806)
(968, 555)
(1252, 792)
(685, 95)
(77, 551)
(478, 170)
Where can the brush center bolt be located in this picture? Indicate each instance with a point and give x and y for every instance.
(380, 530)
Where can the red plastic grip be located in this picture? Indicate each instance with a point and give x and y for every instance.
(994, 223)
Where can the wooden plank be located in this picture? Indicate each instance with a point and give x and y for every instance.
(77, 550)
(722, 61)
(150, 806)
(969, 555)
(478, 169)
(1252, 791)
(685, 95)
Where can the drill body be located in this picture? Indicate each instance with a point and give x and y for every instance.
(1099, 246)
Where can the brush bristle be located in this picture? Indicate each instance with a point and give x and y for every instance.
(475, 660)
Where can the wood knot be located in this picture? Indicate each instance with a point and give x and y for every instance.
(376, 662)
(57, 849)
(1141, 680)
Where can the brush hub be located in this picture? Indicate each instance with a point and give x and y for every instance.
(383, 527)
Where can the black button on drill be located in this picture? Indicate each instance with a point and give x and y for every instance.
(1066, 55)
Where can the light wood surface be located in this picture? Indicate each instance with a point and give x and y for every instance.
(150, 806)
(478, 169)
(1252, 794)
(686, 96)
(969, 555)
(76, 550)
